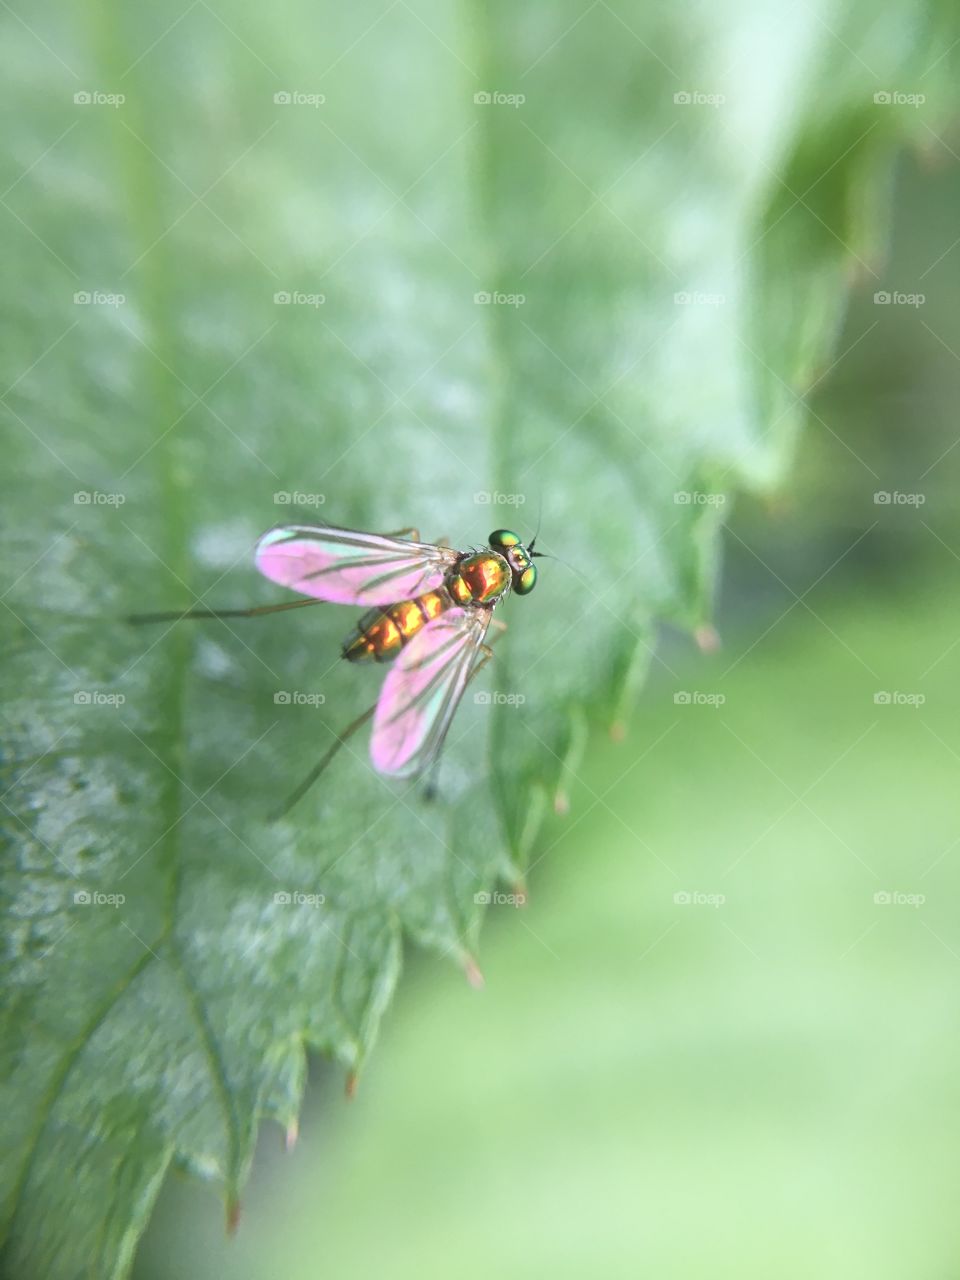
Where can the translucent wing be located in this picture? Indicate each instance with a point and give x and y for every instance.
(422, 691)
(346, 567)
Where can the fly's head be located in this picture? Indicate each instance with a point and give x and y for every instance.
(523, 571)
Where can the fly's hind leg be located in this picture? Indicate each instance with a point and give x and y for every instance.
(178, 615)
(430, 789)
(297, 795)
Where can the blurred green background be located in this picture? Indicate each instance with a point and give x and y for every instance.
(758, 1081)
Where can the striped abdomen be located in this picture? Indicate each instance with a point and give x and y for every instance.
(381, 633)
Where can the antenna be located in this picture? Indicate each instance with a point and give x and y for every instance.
(533, 540)
(544, 555)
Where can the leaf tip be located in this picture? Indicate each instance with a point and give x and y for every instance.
(860, 272)
(707, 638)
(291, 1135)
(617, 731)
(931, 156)
(350, 1085)
(472, 972)
(233, 1213)
(561, 803)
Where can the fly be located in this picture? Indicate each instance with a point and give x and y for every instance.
(428, 610)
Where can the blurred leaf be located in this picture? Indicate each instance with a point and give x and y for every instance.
(677, 297)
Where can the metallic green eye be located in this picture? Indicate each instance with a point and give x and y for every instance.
(527, 581)
(503, 538)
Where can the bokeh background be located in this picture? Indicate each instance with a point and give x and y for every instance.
(761, 1080)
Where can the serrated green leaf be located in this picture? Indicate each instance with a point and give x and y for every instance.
(162, 1027)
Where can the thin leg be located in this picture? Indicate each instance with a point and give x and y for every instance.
(298, 794)
(176, 616)
(402, 533)
(487, 652)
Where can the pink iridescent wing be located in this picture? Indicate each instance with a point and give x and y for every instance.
(422, 691)
(346, 567)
